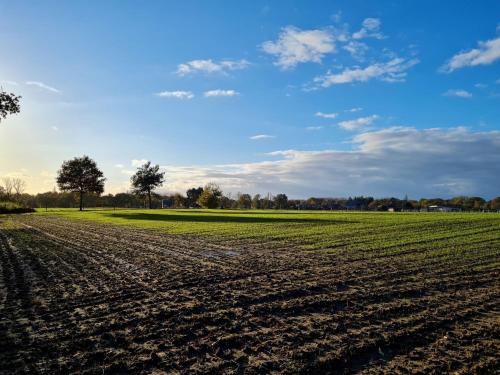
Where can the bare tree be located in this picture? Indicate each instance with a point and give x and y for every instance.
(7, 187)
(19, 186)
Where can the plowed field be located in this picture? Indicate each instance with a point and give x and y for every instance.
(398, 296)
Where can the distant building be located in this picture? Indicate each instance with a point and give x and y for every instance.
(436, 208)
(166, 203)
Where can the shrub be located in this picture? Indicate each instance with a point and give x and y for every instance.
(13, 208)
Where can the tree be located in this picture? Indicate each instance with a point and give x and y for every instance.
(179, 201)
(244, 201)
(18, 185)
(211, 196)
(146, 179)
(192, 196)
(80, 175)
(280, 201)
(9, 104)
(256, 203)
(495, 203)
(7, 187)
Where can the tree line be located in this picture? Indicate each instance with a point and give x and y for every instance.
(56, 199)
(81, 183)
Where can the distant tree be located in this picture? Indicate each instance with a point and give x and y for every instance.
(266, 202)
(192, 196)
(19, 186)
(227, 202)
(256, 201)
(7, 187)
(48, 199)
(244, 201)
(280, 201)
(126, 200)
(211, 196)
(179, 201)
(9, 104)
(146, 179)
(495, 203)
(477, 203)
(81, 175)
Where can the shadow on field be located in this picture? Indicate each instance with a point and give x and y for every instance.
(223, 218)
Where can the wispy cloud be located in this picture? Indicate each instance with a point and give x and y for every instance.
(119, 166)
(295, 46)
(391, 71)
(358, 123)
(486, 53)
(370, 29)
(356, 49)
(260, 136)
(326, 115)
(314, 128)
(355, 109)
(43, 86)
(210, 66)
(459, 93)
(218, 92)
(176, 94)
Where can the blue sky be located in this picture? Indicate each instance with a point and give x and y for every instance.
(330, 98)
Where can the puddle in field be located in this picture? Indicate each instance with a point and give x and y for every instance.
(231, 253)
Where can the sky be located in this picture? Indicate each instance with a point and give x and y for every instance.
(307, 98)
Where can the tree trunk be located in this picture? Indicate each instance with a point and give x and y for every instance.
(149, 197)
(81, 201)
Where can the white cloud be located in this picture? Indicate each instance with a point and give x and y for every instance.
(43, 86)
(176, 94)
(480, 85)
(218, 92)
(210, 66)
(355, 109)
(296, 46)
(485, 54)
(326, 115)
(358, 123)
(54, 128)
(260, 136)
(314, 128)
(370, 29)
(356, 49)
(389, 162)
(459, 93)
(138, 162)
(391, 71)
